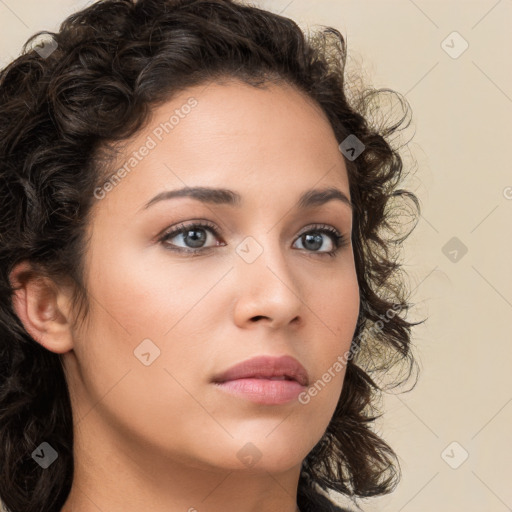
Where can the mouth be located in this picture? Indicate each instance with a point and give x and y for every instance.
(265, 379)
(266, 367)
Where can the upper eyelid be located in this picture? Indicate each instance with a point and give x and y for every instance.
(208, 225)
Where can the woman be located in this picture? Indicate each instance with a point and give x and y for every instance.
(196, 282)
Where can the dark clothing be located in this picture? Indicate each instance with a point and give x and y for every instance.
(322, 504)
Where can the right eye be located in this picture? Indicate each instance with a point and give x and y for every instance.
(193, 234)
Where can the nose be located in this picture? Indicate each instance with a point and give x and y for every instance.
(266, 289)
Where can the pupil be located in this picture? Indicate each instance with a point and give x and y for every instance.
(316, 239)
(196, 241)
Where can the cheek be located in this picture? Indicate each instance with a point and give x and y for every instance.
(148, 293)
(149, 304)
(336, 307)
(132, 303)
(335, 312)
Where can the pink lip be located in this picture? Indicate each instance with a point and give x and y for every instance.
(251, 379)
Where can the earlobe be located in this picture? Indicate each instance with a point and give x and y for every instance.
(36, 302)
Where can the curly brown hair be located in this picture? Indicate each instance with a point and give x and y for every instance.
(112, 63)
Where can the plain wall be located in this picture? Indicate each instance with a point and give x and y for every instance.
(462, 118)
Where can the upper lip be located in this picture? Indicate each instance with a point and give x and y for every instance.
(265, 367)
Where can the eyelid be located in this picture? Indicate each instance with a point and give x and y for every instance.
(176, 228)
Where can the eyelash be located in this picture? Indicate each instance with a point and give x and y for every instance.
(339, 240)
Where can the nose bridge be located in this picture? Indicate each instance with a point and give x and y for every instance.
(265, 280)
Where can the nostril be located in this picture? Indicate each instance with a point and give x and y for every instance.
(254, 318)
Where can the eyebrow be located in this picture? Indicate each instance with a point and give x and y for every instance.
(223, 196)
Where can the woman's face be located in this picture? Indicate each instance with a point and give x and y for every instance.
(165, 321)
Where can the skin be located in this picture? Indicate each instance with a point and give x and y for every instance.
(162, 437)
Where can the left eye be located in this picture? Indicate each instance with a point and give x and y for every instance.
(194, 238)
(315, 240)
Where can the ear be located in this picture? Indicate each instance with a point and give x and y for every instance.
(43, 308)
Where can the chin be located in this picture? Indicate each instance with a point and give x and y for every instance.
(263, 455)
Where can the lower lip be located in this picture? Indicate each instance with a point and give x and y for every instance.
(263, 391)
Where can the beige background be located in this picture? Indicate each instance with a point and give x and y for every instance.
(462, 116)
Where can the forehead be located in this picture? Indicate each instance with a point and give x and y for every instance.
(273, 138)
